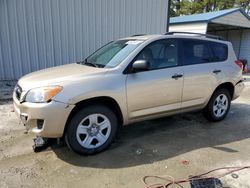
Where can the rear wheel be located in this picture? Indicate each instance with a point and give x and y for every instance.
(218, 106)
(91, 130)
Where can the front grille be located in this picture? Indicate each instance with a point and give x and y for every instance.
(18, 91)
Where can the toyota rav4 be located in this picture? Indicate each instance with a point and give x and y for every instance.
(126, 81)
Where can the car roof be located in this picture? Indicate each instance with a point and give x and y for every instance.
(177, 35)
(141, 37)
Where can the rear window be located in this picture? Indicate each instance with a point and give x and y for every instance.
(200, 51)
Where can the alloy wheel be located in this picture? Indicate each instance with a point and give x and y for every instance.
(93, 131)
(220, 105)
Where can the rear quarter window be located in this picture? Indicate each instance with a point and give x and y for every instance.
(220, 51)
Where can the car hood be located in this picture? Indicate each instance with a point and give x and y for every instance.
(57, 75)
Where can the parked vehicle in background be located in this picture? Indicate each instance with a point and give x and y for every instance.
(129, 80)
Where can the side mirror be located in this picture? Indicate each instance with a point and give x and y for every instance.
(140, 65)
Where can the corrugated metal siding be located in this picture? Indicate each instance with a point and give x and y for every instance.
(234, 38)
(35, 34)
(244, 49)
(219, 33)
(191, 27)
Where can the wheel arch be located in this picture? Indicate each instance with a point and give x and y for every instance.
(102, 100)
(207, 110)
(226, 85)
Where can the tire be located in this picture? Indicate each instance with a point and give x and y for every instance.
(218, 106)
(91, 130)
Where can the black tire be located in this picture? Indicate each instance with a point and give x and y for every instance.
(71, 132)
(208, 111)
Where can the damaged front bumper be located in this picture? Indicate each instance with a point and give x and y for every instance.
(44, 119)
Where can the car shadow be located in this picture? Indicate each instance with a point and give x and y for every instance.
(160, 139)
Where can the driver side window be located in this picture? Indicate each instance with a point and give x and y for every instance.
(160, 54)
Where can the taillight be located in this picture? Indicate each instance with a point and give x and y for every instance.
(239, 63)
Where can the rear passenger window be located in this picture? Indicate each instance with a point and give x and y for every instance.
(219, 50)
(196, 52)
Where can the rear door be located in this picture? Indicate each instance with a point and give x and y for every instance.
(203, 69)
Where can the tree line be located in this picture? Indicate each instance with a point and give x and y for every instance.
(187, 7)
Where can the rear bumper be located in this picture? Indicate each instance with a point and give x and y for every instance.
(44, 119)
(238, 89)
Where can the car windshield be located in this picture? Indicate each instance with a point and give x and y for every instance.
(112, 54)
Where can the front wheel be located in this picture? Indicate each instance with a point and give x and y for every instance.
(218, 106)
(91, 130)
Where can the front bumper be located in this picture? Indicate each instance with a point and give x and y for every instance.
(238, 89)
(44, 119)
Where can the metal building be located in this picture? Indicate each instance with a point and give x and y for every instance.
(232, 24)
(36, 34)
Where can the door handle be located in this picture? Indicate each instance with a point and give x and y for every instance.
(216, 71)
(176, 76)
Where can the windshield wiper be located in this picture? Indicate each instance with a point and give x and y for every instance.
(89, 63)
(99, 65)
(85, 62)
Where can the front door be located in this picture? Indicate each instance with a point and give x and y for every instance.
(159, 89)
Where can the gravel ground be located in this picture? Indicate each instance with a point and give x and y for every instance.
(155, 147)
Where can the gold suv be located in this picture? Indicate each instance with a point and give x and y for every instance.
(129, 80)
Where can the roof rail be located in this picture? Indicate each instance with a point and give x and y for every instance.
(137, 35)
(197, 34)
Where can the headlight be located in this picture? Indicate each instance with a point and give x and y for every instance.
(42, 94)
